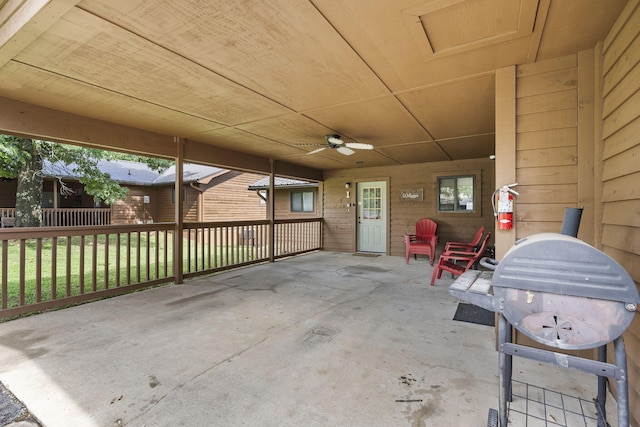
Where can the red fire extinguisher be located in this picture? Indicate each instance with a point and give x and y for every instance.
(504, 211)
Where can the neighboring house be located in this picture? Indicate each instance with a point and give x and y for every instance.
(210, 193)
(293, 198)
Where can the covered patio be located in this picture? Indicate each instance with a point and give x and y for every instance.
(321, 339)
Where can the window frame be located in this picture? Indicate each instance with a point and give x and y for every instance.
(477, 185)
(293, 193)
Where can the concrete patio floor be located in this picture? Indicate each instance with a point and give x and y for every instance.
(324, 339)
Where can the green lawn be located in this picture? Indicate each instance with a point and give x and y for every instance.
(70, 284)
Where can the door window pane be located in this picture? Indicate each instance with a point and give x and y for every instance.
(371, 203)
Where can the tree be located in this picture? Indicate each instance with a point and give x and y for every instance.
(23, 159)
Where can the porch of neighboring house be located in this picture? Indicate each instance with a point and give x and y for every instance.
(63, 217)
(209, 194)
(319, 339)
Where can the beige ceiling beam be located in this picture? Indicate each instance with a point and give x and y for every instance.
(31, 121)
(536, 36)
(21, 22)
(199, 152)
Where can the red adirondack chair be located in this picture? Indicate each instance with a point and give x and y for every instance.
(423, 242)
(465, 246)
(448, 261)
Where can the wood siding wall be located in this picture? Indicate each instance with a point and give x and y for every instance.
(554, 151)
(165, 205)
(620, 167)
(227, 198)
(340, 221)
(133, 210)
(554, 144)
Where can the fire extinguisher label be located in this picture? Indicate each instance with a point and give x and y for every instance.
(505, 205)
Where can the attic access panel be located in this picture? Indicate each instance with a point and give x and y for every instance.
(454, 26)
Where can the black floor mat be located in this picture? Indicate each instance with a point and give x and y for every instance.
(473, 314)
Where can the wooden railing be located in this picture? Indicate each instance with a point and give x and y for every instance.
(72, 217)
(42, 268)
(47, 267)
(294, 237)
(217, 246)
(68, 217)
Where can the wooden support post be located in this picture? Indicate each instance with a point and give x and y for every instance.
(178, 268)
(272, 211)
(505, 162)
(586, 143)
(598, 145)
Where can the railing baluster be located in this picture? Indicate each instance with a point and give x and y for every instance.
(157, 242)
(81, 273)
(216, 230)
(5, 269)
(166, 254)
(54, 267)
(138, 266)
(118, 255)
(234, 244)
(128, 258)
(94, 264)
(38, 269)
(201, 251)
(22, 266)
(233, 250)
(226, 247)
(188, 243)
(293, 244)
(68, 268)
(202, 248)
(148, 245)
(195, 249)
(106, 261)
(208, 247)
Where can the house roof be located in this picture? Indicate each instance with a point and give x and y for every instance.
(134, 173)
(263, 183)
(191, 173)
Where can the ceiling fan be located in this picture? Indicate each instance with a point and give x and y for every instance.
(335, 142)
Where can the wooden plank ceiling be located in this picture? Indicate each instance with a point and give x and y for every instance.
(270, 78)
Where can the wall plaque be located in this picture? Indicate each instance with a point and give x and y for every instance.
(411, 195)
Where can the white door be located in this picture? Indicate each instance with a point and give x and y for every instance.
(372, 217)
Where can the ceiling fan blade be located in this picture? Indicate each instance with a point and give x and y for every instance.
(317, 150)
(359, 145)
(346, 151)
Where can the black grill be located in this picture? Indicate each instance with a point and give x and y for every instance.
(565, 294)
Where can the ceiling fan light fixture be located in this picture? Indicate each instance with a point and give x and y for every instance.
(334, 139)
